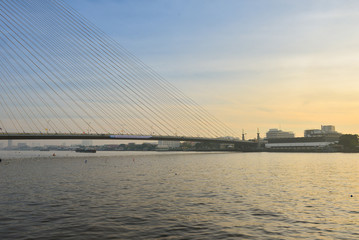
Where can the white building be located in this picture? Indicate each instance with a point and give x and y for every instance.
(275, 133)
(325, 131)
(328, 128)
(164, 145)
(323, 139)
(313, 133)
(87, 143)
(298, 145)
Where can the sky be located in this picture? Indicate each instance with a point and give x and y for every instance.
(264, 64)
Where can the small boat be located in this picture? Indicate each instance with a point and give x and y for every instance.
(86, 150)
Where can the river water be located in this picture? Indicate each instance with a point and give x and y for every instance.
(151, 195)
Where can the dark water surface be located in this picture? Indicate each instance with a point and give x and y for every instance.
(179, 196)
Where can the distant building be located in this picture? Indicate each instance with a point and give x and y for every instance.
(230, 138)
(9, 144)
(165, 145)
(275, 133)
(227, 145)
(313, 133)
(22, 146)
(328, 128)
(325, 131)
(87, 142)
(35, 144)
(301, 144)
(324, 139)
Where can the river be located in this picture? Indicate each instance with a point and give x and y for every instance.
(164, 195)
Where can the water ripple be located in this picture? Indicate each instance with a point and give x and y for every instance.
(180, 196)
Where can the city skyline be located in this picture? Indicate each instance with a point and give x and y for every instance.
(258, 64)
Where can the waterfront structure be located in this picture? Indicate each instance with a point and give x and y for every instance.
(324, 139)
(275, 133)
(302, 144)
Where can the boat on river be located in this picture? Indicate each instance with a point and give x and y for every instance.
(86, 150)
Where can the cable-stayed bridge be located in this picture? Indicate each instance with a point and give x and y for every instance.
(63, 78)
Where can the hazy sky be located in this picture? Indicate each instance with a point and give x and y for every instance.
(265, 64)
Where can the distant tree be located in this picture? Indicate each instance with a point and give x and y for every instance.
(349, 141)
(186, 145)
(206, 146)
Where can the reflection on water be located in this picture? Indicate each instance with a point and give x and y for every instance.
(178, 196)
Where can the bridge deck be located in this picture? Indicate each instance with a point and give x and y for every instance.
(44, 136)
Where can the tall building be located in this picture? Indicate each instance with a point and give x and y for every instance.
(275, 133)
